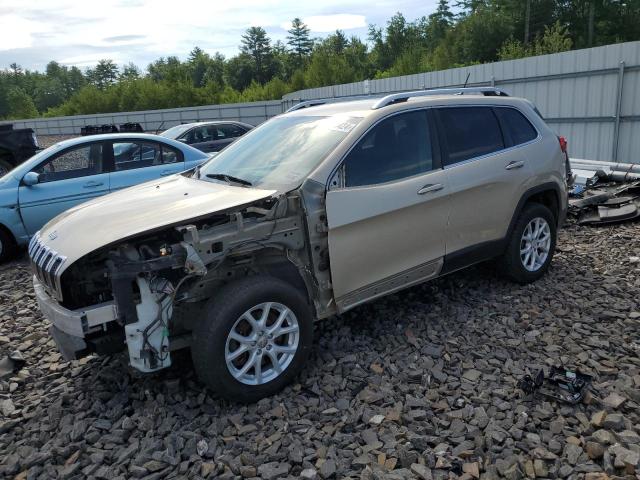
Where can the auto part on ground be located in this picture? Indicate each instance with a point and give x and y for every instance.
(604, 192)
(98, 129)
(11, 364)
(561, 384)
(131, 127)
(606, 203)
(589, 172)
(16, 145)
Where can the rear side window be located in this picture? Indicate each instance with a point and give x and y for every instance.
(470, 132)
(516, 125)
(396, 148)
(131, 155)
(231, 131)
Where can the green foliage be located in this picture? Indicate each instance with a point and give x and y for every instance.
(480, 31)
(554, 40)
(20, 104)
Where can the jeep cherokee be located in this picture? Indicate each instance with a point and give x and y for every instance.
(309, 215)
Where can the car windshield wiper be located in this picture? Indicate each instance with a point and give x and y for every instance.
(229, 178)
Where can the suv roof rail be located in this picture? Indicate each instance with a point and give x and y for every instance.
(404, 96)
(307, 104)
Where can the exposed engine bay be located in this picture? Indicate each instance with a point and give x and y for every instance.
(159, 281)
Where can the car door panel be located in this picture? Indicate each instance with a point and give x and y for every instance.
(485, 177)
(483, 194)
(387, 223)
(61, 189)
(381, 231)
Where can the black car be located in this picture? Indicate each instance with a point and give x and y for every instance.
(16, 145)
(208, 136)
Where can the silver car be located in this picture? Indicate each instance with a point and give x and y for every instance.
(308, 215)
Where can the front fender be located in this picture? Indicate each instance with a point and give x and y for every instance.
(10, 209)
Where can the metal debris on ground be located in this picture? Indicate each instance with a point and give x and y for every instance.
(11, 364)
(561, 384)
(604, 192)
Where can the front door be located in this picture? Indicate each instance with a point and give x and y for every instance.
(387, 220)
(138, 161)
(70, 177)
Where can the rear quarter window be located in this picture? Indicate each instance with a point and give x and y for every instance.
(516, 125)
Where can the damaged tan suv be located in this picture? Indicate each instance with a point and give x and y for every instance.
(309, 215)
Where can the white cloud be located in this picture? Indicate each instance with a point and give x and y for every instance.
(331, 23)
(16, 32)
(83, 32)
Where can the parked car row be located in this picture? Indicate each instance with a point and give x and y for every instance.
(310, 214)
(74, 171)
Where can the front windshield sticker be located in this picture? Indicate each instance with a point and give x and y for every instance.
(345, 126)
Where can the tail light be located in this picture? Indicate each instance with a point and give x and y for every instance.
(563, 144)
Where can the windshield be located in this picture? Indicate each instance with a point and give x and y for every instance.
(280, 153)
(175, 132)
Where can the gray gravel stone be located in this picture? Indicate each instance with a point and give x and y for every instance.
(423, 380)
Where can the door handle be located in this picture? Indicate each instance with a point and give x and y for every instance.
(514, 165)
(430, 188)
(92, 184)
(164, 173)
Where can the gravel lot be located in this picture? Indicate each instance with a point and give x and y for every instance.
(421, 384)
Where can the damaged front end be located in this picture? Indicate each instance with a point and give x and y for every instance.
(146, 293)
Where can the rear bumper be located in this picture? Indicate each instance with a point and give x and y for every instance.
(70, 327)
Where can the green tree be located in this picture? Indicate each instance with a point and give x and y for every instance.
(299, 40)
(129, 72)
(104, 74)
(257, 45)
(20, 105)
(240, 71)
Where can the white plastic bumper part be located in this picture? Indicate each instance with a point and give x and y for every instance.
(69, 327)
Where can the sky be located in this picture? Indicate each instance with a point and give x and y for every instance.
(81, 32)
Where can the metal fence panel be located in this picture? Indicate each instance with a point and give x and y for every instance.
(590, 96)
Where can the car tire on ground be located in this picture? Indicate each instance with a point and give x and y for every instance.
(7, 246)
(531, 245)
(253, 338)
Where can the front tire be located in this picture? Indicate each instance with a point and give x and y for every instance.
(7, 246)
(531, 245)
(253, 339)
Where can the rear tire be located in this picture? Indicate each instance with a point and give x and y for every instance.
(531, 245)
(7, 246)
(239, 349)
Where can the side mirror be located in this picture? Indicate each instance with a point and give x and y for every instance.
(31, 179)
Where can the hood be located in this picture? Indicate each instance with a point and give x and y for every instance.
(149, 206)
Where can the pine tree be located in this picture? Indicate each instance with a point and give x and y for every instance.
(298, 39)
(257, 45)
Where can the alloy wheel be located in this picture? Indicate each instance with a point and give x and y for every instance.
(535, 244)
(262, 343)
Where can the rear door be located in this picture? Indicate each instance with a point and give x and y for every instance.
(387, 217)
(136, 161)
(487, 177)
(66, 179)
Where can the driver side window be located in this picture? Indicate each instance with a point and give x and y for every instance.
(77, 162)
(396, 148)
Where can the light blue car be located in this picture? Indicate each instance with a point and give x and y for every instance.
(74, 171)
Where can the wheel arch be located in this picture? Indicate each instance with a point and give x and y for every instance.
(547, 194)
